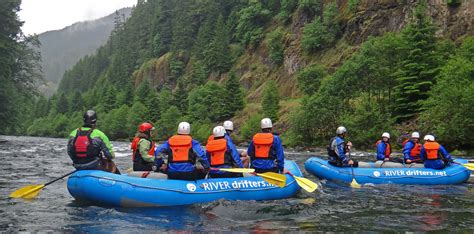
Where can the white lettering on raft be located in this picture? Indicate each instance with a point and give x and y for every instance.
(238, 184)
(414, 173)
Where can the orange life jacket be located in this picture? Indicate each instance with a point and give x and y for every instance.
(210, 138)
(263, 144)
(218, 152)
(416, 150)
(181, 149)
(388, 148)
(432, 150)
(136, 156)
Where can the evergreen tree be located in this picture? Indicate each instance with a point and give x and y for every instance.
(165, 98)
(271, 101)
(419, 68)
(62, 104)
(217, 54)
(234, 96)
(309, 79)
(180, 97)
(168, 123)
(143, 91)
(137, 115)
(276, 46)
(77, 103)
(108, 99)
(152, 104)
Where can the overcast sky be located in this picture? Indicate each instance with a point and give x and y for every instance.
(45, 15)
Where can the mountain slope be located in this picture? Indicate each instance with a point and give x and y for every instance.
(61, 49)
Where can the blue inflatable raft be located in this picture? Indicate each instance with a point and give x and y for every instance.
(126, 191)
(373, 173)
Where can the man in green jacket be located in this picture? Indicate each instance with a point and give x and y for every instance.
(90, 148)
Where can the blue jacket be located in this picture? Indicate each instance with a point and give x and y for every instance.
(381, 147)
(229, 139)
(436, 164)
(268, 164)
(235, 157)
(406, 150)
(338, 145)
(181, 167)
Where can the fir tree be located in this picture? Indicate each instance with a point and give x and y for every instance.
(217, 54)
(271, 101)
(418, 70)
(234, 96)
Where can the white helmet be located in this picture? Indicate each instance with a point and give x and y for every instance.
(386, 134)
(340, 130)
(228, 125)
(266, 123)
(429, 138)
(218, 131)
(415, 135)
(184, 128)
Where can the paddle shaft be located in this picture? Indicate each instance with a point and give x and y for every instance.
(50, 182)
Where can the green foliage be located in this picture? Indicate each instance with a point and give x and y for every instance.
(250, 127)
(287, 7)
(62, 104)
(449, 109)
(309, 79)
(168, 123)
(420, 66)
(323, 33)
(271, 101)
(252, 19)
(276, 46)
(233, 97)
(115, 123)
(207, 103)
(201, 131)
(312, 7)
(453, 3)
(136, 116)
(352, 5)
(217, 54)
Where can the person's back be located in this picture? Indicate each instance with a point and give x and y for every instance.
(433, 154)
(222, 153)
(90, 148)
(266, 151)
(182, 151)
(143, 148)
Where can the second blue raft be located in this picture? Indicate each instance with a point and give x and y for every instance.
(452, 174)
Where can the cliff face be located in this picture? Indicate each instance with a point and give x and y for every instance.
(369, 18)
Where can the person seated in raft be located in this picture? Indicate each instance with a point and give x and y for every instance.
(338, 150)
(222, 153)
(433, 154)
(412, 149)
(229, 129)
(143, 147)
(89, 148)
(384, 148)
(266, 151)
(182, 151)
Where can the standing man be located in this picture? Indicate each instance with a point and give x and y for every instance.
(143, 148)
(89, 148)
(433, 154)
(222, 153)
(412, 149)
(338, 150)
(182, 151)
(266, 151)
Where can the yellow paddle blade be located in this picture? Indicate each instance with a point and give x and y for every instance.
(273, 178)
(469, 166)
(354, 184)
(129, 170)
(238, 170)
(28, 192)
(306, 184)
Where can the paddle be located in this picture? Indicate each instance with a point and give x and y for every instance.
(469, 166)
(235, 170)
(354, 183)
(304, 183)
(272, 178)
(31, 191)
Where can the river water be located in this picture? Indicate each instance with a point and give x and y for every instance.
(333, 207)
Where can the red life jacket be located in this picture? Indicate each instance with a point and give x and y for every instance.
(388, 148)
(218, 152)
(263, 146)
(416, 150)
(82, 143)
(432, 150)
(181, 149)
(136, 156)
(405, 142)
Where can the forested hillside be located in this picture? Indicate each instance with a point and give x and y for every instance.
(61, 49)
(310, 65)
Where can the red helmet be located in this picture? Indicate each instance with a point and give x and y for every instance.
(144, 127)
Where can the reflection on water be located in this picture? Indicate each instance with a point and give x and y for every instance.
(333, 207)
